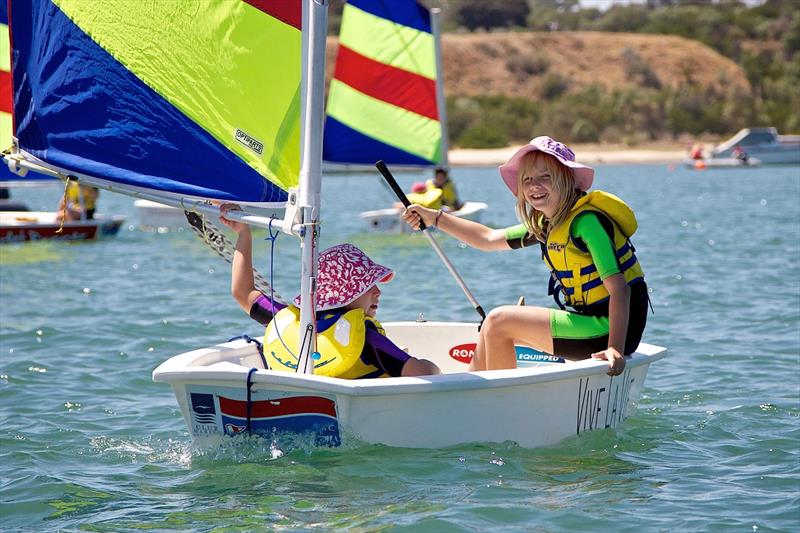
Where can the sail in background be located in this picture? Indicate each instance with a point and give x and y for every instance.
(197, 98)
(382, 98)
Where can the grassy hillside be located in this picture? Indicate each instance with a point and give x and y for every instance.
(584, 87)
(520, 64)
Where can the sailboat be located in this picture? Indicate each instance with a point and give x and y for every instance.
(386, 99)
(17, 222)
(138, 120)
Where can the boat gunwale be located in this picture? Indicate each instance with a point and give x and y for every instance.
(176, 369)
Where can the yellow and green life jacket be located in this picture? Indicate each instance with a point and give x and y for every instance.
(449, 196)
(573, 273)
(340, 341)
(81, 196)
(432, 198)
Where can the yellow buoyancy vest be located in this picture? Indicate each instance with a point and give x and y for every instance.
(449, 194)
(432, 198)
(339, 344)
(571, 263)
(81, 196)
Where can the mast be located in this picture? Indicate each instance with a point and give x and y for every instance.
(441, 104)
(315, 23)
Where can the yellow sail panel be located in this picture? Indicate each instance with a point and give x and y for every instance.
(229, 66)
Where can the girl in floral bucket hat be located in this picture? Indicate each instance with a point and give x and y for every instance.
(584, 240)
(351, 342)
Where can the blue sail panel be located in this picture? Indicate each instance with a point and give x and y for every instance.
(79, 109)
(347, 146)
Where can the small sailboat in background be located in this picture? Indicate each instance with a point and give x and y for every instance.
(386, 99)
(139, 122)
(17, 222)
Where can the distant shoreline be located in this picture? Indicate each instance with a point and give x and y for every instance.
(585, 153)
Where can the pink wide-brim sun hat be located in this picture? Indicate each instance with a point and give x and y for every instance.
(345, 274)
(583, 175)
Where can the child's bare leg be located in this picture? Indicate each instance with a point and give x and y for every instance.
(479, 358)
(508, 323)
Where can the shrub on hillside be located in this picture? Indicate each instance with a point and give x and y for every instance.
(482, 136)
(488, 14)
(553, 86)
(525, 65)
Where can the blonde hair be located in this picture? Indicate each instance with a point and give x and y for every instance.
(562, 179)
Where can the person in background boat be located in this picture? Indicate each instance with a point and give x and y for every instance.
(351, 342)
(739, 153)
(436, 193)
(584, 238)
(441, 181)
(421, 195)
(78, 203)
(696, 152)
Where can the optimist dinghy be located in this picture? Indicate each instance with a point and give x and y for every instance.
(153, 138)
(389, 221)
(386, 100)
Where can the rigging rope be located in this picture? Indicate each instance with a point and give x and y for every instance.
(215, 238)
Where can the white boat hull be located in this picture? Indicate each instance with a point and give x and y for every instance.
(722, 162)
(537, 404)
(156, 215)
(22, 226)
(389, 221)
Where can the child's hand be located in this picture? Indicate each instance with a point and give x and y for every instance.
(616, 362)
(235, 225)
(414, 214)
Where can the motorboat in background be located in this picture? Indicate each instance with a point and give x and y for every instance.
(762, 144)
(721, 162)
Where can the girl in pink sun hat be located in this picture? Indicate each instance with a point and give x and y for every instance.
(584, 239)
(351, 342)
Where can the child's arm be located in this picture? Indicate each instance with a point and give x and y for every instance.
(618, 309)
(243, 287)
(589, 228)
(475, 234)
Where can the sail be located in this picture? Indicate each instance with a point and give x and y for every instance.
(382, 99)
(8, 178)
(197, 98)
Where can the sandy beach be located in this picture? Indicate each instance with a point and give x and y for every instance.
(585, 153)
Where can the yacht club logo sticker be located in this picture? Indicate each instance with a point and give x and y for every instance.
(250, 142)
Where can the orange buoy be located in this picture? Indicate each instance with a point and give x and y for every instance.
(699, 164)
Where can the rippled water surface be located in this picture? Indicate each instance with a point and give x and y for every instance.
(88, 442)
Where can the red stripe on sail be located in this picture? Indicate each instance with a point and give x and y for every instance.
(6, 105)
(294, 405)
(389, 84)
(288, 11)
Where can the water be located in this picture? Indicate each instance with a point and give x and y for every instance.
(88, 442)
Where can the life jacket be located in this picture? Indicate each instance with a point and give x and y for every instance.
(449, 194)
(81, 196)
(573, 273)
(432, 198)
(340, 341)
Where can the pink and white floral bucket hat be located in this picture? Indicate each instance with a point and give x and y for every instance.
(583, 175)
(345, 273)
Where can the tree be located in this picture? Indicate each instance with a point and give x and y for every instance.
(488, 14)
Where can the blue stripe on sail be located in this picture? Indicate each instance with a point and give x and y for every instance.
(409, 14)
(93, 116)
(342, 144)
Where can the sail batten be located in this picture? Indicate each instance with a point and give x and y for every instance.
(193, 98)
